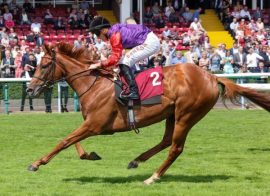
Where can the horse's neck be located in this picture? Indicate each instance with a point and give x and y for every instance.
(76, 77)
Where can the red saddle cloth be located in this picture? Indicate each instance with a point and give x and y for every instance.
(150, 83)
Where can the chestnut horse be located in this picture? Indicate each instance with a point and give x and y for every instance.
(189, 94)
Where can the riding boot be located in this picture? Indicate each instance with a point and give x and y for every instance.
(130, 79)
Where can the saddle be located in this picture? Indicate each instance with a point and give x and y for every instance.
(149, 84)
(150, 89)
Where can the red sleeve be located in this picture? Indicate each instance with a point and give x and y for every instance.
(117, 50)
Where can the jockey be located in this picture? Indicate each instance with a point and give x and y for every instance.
(141, 40)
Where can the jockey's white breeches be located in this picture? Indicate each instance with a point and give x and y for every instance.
(150, 46)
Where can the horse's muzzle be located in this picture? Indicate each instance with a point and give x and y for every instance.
(33, 92)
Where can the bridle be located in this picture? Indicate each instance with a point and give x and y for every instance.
(50, 81)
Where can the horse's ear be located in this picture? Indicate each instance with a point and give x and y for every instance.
(46, 49)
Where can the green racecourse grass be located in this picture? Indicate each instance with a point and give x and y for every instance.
(227, 153)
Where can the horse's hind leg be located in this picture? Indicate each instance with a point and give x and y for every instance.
(178, 141)
(76, 136)
(84, 155)
(165, 142)
(181, 129)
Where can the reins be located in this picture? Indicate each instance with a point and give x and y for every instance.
(49, 82)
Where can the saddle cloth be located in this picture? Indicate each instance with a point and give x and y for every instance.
(149, 84)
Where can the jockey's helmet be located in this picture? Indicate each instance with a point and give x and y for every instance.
(97, 24)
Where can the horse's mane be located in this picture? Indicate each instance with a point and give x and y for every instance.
(81, 54)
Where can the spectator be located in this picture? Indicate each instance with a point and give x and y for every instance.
(90, 38)
(204, 61)
(30, 37)
(78, 42)
(15, 50)
(24, 47)
(234, 49)
(262, 69)
(99, 44)
(59, 23)
(71, 16)
(191, 56)
(205, 42)
(5, 40)
(18, 64)
(87, 18)
(178, 58)
(196, 26)
(39, 39)
(24, 18)
(257, 14)
(4, 4)
(7, 65)
(228, 63)
(252, 60)
(215, 62)
(186, 39)
(260, 24)
(148, 15)
(156, 10)
(38, 54)
(166, 32)
(9, 23)
(64, 95)
(12, 35)
(27, 6)
(7, 15)
(29, 65)
(48, 17)
(240, 59)
(74, 23)
(196, 13)
(187, 15)
(2, 21)
(159, 22)
(48, 99)
(252, 25)
(36, 27)
(84, 5)
(244, 13)
(16, 16)
(235, 13)
(221, 50)
(260, 36)
(170, 13)
(13, 5)
(174, 35)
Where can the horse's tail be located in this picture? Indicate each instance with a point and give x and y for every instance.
(232, 91)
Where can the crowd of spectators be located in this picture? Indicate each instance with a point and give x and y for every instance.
(23, 31)
(250, 52)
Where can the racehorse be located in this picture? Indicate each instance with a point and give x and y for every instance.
(189, 94)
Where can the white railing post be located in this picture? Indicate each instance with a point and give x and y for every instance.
(59, 97)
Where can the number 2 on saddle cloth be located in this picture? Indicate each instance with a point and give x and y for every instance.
(149, 84)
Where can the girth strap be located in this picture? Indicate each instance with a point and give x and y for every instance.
(131, 117)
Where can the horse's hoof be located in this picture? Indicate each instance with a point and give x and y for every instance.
(32, 168)
(94, 156)
(133, 165)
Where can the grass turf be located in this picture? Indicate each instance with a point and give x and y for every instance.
(227, 153)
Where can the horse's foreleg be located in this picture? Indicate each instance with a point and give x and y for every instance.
(76, 136)
(178, 141)
(84, 155)
(165, 142)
